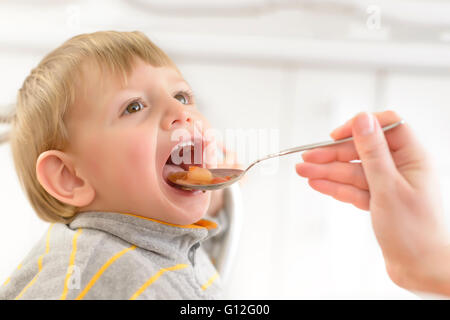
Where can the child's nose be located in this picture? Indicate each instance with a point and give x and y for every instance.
(176, 117)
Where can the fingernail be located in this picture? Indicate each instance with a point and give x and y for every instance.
(363, 123)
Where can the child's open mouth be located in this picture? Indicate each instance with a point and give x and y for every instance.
(183, 155)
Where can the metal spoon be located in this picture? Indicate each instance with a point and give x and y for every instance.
(237, 174)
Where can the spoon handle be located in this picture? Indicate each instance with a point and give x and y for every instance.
(315, 145)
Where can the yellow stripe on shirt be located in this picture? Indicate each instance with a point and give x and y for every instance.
(9, 278)
(6, 282)
(101, 270)
(210, 281)
(71, 264)
(154, 278)
(47, 249)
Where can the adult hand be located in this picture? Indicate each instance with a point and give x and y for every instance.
(395, 181)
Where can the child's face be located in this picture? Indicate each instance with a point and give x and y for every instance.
(121, 137)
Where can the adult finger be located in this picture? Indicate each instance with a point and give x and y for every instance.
(384, 118)
(373, 150)
(341, 152)
(342, 192)
(401, 137)
(342, 172)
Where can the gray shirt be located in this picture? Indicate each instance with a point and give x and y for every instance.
(107, 255)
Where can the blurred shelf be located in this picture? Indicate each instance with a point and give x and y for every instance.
(270, 51)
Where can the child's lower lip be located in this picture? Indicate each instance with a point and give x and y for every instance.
(184, 192)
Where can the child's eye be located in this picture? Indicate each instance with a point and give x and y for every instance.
(134, 107)
(184, 97)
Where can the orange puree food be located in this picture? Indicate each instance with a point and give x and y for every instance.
(196, 175)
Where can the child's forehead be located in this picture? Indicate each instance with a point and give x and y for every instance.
(97, 85)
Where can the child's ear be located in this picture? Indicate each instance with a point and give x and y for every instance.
(59, 178)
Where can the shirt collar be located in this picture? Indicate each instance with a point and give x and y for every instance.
(173, 241)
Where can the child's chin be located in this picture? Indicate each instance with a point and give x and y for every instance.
(185, 207)
(194, 215)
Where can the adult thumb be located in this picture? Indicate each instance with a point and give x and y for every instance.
(373, 150)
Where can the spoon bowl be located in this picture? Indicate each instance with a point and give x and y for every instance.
(235, 175)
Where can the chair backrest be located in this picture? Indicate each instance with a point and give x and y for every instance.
(234, 209)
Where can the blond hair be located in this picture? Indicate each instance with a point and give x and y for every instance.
(48, 92)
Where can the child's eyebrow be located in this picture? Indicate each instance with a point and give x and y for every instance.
(183, 81)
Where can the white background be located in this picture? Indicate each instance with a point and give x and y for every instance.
(299, 67)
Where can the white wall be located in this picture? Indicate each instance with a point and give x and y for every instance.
(295, 243)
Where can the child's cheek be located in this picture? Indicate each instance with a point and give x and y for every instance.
(95, 156)
(139, 157)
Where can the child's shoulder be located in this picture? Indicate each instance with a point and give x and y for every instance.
(67, 263)
(89, 248)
